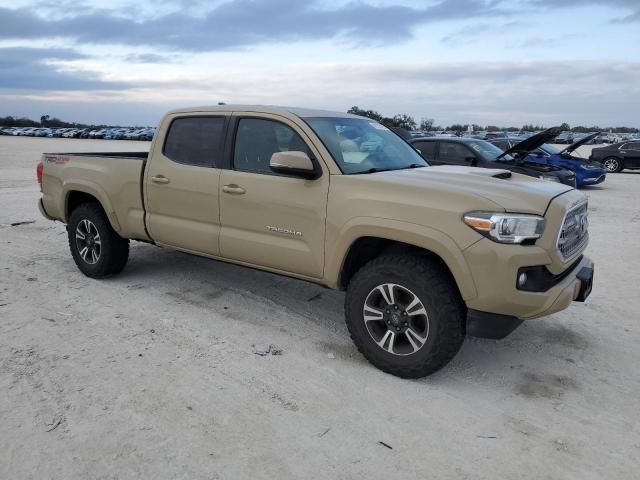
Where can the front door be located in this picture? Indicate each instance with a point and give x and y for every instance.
(181, 183)
(631, 152)
(268, 219)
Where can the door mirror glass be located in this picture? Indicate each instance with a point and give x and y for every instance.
(293, 163)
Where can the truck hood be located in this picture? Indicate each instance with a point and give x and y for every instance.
(510, 191)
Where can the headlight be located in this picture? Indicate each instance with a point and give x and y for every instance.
(506, 227)
(550, 178)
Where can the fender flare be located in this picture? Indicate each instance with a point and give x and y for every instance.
(420, 236)
(93, 189)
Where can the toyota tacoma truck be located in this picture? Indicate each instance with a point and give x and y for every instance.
(426, 254)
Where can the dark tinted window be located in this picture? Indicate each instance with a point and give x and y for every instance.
(633, 146)
(427, 149)
(502, 144)
(257, 140)
(454, 153)
(195, 141)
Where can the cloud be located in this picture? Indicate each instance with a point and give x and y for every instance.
(26, 68)
(631, 6)
(149, 58)
(469, 33)
(242, 23)
(498, 92)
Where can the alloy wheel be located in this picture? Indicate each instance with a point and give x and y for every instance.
(396, 319)
(88, 242)
(611, 164)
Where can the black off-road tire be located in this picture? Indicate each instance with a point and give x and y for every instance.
(617, 169)
(428, 280)
(114, 250)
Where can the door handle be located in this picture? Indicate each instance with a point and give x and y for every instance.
(160, 179)
(233, 189)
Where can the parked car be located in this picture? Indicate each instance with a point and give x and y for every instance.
(587, 172)
(473, 152)
(619, 156)
(426, 254)
(564, 137)
(612, 138)
(147, 135)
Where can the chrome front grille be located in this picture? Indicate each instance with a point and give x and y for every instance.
(574, 233)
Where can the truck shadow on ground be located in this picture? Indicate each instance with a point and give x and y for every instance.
(207, 283)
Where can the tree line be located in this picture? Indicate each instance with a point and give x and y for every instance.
(400, 120)
(428, 124)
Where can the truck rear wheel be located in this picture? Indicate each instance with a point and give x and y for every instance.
(96, 248)
(405, 315)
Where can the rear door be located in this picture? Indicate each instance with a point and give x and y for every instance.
(181, 182)
(268, 219)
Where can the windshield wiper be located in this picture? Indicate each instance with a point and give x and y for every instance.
(376, 170)
(372, 170)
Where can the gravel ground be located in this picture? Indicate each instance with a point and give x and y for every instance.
(152, 374)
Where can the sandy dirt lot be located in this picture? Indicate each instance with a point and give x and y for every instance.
(152, 375)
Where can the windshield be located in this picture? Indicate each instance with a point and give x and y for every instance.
(489, 152)
(545, 147)
(364, 146)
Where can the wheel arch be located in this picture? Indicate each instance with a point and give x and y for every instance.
(79, 193)
(361, 244)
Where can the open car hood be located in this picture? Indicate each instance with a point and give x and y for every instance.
(523, 148)
(582, 141)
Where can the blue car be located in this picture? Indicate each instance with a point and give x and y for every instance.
(536, 149)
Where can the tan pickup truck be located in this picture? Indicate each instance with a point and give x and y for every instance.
(425, 254)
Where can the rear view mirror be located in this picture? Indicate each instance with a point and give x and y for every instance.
(297, 164)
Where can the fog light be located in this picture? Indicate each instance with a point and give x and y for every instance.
(522, 279)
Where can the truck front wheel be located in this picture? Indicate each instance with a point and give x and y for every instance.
(405, 315)
(96, 248)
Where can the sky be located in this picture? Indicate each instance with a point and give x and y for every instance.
(489, 62)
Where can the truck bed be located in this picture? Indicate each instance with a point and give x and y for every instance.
(113, 178)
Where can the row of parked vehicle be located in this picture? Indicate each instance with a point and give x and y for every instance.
(105, 133)
(564, 137)
(533, 155)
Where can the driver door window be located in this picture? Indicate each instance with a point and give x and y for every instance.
(258, 139)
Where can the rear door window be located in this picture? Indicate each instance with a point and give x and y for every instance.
(196, 141)
(502, 144)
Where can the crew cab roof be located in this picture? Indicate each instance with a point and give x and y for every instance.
(299, 112)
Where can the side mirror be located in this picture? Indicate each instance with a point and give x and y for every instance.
(473, 161)
(296, 164)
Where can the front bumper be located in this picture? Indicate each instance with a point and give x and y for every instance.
(495, 272)
(594, 180)
(576, 287)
